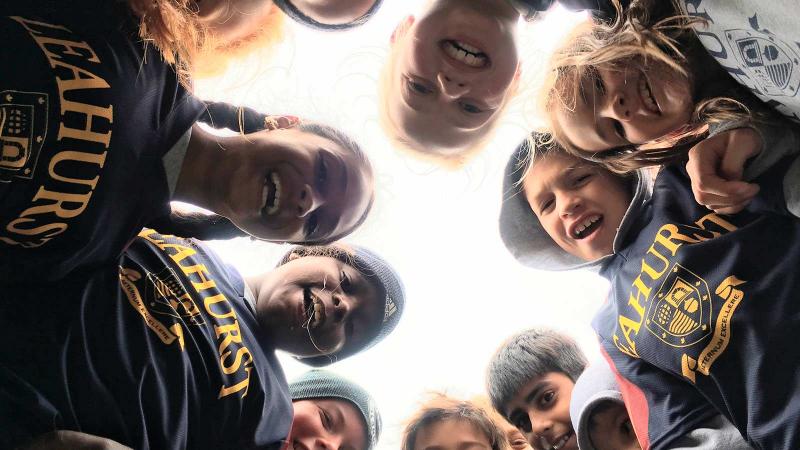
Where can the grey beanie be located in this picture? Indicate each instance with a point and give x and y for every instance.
(377, 270)
(324, 384)
(596, 385)
(295, 14)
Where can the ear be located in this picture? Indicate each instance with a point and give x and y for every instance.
(401, 29)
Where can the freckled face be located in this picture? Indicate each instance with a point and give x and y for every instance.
(579, 205)
(327, 423)
(627, 105)
(452, 72)
(540, 410)
(294, 186)
(318, 305)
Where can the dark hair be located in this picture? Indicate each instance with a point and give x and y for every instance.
(528, 355)
(247, 120)
(295, 14)
(440, 408)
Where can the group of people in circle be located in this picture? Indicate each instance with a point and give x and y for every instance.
(666, 164)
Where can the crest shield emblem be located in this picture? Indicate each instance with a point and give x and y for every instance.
(680, 314)
(165, 295)
(773, 65)
(23, 125)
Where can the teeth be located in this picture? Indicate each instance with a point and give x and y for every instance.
(579, 229)
(647, 95)
(467, 54)
(276, 181)
(318, 309)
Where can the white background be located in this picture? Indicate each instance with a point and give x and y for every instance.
(465, 293)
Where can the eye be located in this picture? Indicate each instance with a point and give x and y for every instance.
(546, 205)
(547, 398)
(582, 179)
(417, 87)
(470, 108)
(627, 427)
(326, 420)
(321, 172)
(349, 329)
(344, 282)
(311, 225)
(619, 130)
(599, 85)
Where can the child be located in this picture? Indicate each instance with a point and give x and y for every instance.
(332, 412)
(172, 348)
(451, 72)
(697, 299)
(601, 420)
(444, 423)
(530, 380)
(645, 92)
(329, 15)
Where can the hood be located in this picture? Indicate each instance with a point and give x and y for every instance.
(523, 234)
(597, 384)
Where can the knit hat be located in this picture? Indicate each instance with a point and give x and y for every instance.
(596, 385)
(520, 229)
(375, 269)
(295, 14)
(324, 384)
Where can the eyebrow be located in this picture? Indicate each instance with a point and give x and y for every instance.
(535, 391)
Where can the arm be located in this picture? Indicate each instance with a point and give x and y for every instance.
(72, 440)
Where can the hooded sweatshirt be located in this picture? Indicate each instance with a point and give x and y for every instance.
(685, 307)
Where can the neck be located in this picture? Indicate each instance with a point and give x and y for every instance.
(196, 179)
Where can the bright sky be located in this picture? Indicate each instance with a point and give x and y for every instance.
(465, 293)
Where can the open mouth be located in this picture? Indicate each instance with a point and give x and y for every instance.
(646, 94)
(560, 442)
(465, 53)
(271, 194)
(313, 310)
(586, 227)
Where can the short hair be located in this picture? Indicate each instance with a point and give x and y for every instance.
(528, 355)
(440, 407)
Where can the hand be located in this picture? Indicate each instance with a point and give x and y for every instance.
(716, 166)
(73, 440)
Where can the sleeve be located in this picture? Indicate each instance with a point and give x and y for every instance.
(661, 407)
(715, 434)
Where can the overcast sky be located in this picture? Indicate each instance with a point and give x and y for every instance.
(465, 293)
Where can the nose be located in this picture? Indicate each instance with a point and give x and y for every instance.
(619, 107)
(328, 442)
(342, 306)
(571, 204)
(452, 87)
(540, 427)
(308, 201)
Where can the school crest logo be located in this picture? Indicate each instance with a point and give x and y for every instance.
(771, 63)
(680, 314)
(166, 296)
(23, 125)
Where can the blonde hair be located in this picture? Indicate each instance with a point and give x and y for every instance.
(440, 407)
(632, 39)
(405, 143)
(172, 26)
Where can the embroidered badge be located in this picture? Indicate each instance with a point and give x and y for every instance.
(681, 313)
(23, 125)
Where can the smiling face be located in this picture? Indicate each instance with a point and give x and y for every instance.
(327, 423)
(626, 105)
(291, 185)
(317, 305)
(610, 428)
(451, 434)
(452, 70)
(579, 205)
(541, 411)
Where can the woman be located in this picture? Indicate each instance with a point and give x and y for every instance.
(172, 348)
(95, 137)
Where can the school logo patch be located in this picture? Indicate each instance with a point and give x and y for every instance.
(680, 314)
(771, 63)
(165, 295)
(23, 125)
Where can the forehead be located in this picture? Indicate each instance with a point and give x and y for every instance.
(577, 114)
(450, 434)
(546, 169)
(528, 391)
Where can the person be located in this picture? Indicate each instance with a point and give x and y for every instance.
(97, 139)
(446, 423)
(172, 348)
(689, 309)
(601, 420)
(529, 380)
(516, 440)
(451, 73)
(645, 91)
(329, 15)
